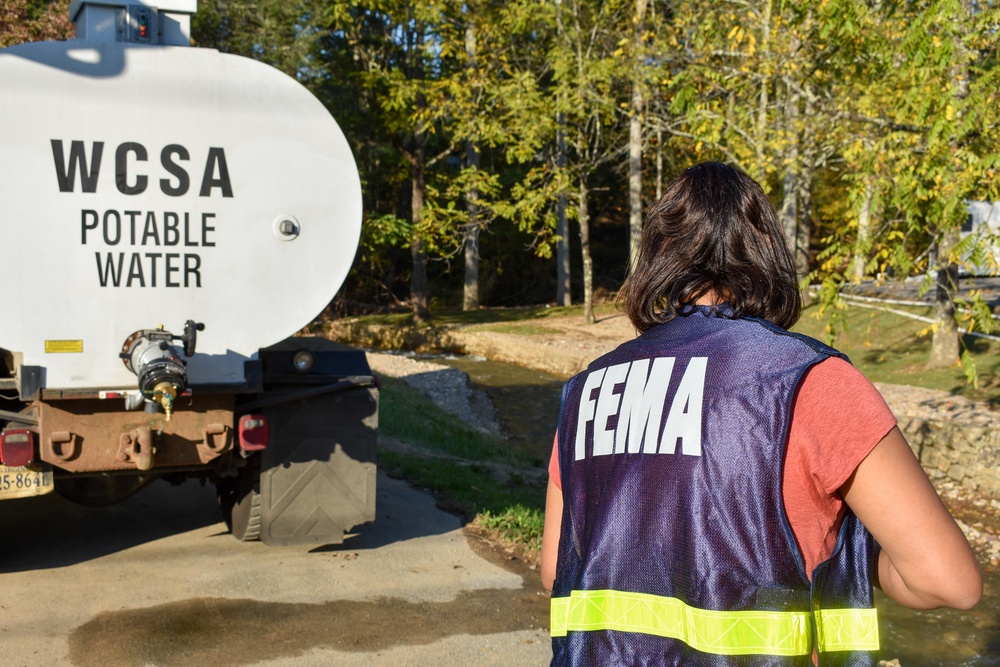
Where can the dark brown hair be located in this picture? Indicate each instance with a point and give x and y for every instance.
(714, 230)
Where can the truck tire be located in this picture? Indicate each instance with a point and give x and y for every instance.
(239, 499)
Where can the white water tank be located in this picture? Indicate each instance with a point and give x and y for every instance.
(151, 185)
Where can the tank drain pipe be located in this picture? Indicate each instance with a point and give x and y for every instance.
(18, 417)
(351, 382)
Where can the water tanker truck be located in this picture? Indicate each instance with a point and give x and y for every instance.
(170, 218)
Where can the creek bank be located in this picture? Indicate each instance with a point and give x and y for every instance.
(957, 440)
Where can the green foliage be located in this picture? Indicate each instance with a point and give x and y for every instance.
(34, 21)
(837, 108)
(525, 522)
(281, 33)
(464, 475)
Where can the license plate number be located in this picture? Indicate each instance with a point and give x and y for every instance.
(24, 482)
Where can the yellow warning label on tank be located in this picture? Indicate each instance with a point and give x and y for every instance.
(59, 346)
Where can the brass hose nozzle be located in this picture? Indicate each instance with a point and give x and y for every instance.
(164, 393)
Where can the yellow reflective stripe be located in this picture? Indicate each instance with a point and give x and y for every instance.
(710, 631)
(720, 632)
(847, 629)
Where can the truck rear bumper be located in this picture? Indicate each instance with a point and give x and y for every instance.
(87, 435)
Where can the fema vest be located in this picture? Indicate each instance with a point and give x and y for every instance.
(675, 548)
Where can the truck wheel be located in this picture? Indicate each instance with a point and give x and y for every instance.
(239, 499)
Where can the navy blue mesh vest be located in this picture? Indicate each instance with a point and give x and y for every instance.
(675, 547)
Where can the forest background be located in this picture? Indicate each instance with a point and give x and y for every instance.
(508, 150)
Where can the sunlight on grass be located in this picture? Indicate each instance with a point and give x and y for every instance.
(889, 348)
(408, 414)
(526, 522)
(468, 484)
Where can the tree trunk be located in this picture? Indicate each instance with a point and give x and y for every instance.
(864, 234)
(470, 289)
(788, 214)
(563, 285)
(807, 169)
(419, 289)
(635, 138)
(470, 294)
(944, 343)
(588, 264)
(765, 82)
(803, 231)
(659, 163)
(635, 175)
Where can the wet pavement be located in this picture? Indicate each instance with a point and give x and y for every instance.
(157, 581)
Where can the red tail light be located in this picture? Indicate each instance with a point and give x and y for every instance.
(253, 432)
(17, 447)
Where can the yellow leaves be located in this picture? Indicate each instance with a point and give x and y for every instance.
(896, 234)
(739, 37)
(949, 112)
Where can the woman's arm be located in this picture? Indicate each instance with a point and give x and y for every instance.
(925, 561)
(550, 534)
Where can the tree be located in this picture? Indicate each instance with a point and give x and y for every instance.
(753, 88)
(401, 63)
(586, 85)
(34, 21)
(926, 105)
(280, 33)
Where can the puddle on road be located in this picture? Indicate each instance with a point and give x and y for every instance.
(224, 632)
(231, 633)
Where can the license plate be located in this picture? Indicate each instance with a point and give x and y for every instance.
(24, 482)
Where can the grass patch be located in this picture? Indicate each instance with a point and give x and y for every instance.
(517, 328)
(407, 414)
(892, 348)
(484, 481)
(514, 511)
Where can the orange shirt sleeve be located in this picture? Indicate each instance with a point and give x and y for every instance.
(837, 419)
(554, 463)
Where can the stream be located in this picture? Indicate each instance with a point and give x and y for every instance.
(527, 402)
